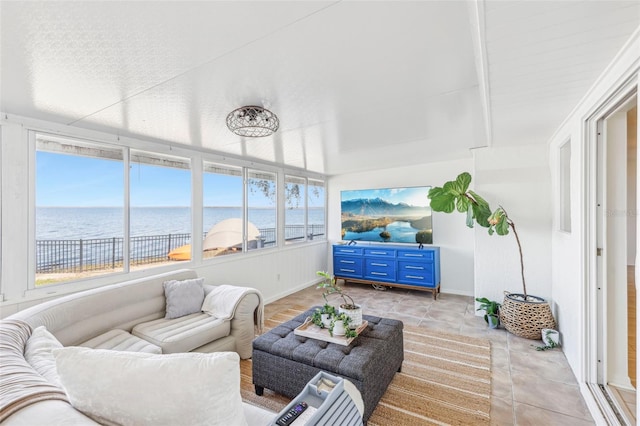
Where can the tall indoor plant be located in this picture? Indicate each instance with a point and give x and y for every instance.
(456, 195)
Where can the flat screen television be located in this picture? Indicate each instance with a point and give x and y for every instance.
(395, 215)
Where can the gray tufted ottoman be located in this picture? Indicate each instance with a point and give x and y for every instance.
(284, 362)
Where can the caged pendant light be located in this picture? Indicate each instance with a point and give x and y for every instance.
(252, 121)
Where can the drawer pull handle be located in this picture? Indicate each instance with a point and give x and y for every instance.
(347, 270)
(412, 255)
(414, 277)
(379, 273)
(414, 267)
(379, 264)
(347, 261)
(378, 252)
(347, 251)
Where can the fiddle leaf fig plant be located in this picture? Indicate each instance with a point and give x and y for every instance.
(456, 195)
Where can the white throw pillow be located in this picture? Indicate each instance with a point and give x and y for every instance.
(131, 388)
(183, 297)
(38, 353)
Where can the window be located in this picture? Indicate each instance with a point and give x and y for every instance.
(261, 209)
(79, 209)
(565, 187)
(160, 208)
(222, 214)
(316, 210)
(86, 226)
(295, 209)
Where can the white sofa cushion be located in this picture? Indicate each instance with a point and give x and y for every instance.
(182, 334)
(183, 297)
(120, 340)
(130, 388)
(38, 353)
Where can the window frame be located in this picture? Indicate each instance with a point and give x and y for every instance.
(197, 160)
(153, 159)
(241, 174)
(324, 208)
(300, 180)
(32, 136)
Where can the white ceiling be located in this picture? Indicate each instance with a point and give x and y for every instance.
(357, 85)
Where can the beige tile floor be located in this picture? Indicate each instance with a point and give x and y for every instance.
(529, 387)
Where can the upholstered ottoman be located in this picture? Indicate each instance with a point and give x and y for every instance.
(284, 362)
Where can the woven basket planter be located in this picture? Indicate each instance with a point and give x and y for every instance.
(526, 319)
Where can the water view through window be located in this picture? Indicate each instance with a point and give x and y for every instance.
(79, 209)
(81, 217)
(160, 215)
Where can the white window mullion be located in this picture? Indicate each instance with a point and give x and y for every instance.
(196, 210)
(31, 257)
(245, 207)
(126, 243)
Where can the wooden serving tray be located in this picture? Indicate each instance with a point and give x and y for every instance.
(309, 329)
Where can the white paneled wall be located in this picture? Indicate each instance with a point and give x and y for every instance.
(519, 180)
(276, 273)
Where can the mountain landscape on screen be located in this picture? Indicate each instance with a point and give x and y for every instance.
(396, 215)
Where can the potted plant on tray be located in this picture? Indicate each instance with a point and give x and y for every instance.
(322, 316)
(521, 314)
(330, 286)
(341, 326)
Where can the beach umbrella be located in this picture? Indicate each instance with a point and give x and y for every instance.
(228, 233)
(223, 235)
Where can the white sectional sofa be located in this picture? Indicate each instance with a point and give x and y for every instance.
(127, 317)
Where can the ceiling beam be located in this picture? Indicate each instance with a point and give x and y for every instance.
(477, 22)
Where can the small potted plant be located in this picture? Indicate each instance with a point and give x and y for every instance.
(340, 326)
(330, 286)
(491, 311)
(322, 316)
(551, 337)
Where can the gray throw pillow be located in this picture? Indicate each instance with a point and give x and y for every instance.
(183, 297)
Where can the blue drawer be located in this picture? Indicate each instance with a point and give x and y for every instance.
(380, 269)
(347, 250)
(346, 266)
(377, 252)
(416, 273)
(416, 254)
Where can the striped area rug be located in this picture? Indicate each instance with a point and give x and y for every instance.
(445, 380)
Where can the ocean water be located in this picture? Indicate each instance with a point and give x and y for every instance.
(68, 223)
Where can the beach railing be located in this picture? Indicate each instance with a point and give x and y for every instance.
(82, 255)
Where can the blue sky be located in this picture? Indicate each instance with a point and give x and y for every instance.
(414, 196)
(75, 181)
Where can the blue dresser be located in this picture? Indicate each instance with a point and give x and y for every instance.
(389, 265)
